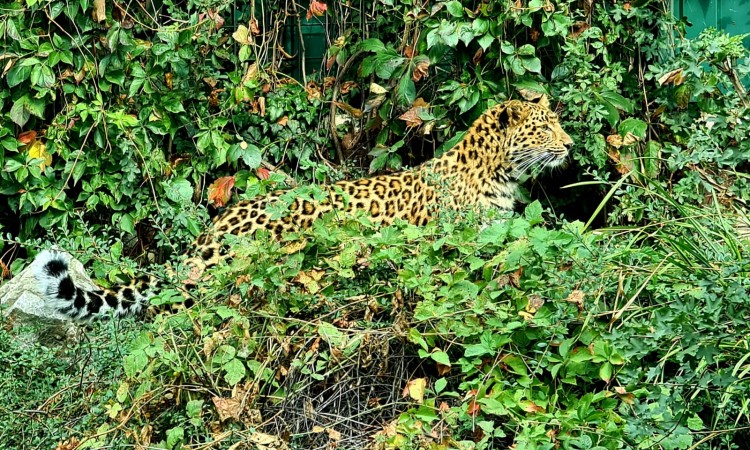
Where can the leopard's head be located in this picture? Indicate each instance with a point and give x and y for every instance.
(534, 138)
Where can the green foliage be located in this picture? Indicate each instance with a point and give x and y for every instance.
(525, 334)
(51, 393)
(519, 332)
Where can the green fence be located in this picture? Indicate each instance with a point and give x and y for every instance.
(732, 16)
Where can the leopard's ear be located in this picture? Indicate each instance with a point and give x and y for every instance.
(543, 101)
(512, 114)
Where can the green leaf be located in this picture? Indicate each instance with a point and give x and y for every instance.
(581, 354)
(632, 125)
(18, 74)
(234, 371)
(695, 423)
(134, 363)
(440, 384)
(605, 372)
(407, 91)
(175, 437)
(496, 233)
(115, 77)
(178, 190)
(651, 159)
(526, 50)
(415, 337)
(372, 45)
(19, 114)
(441, 358)
(331, 334)
(532, 64)
(252, 156)
(125, 222)
(480, 26)
(455, 8)
(533, 212)
(485, 41)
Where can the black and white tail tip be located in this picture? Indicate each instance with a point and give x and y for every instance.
(56, 283)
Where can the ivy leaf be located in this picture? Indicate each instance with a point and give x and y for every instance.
(485, 41)
(455, 8)
(441, 358)
(532, 64)
(234, 371)
(18, 74)
(18, 112)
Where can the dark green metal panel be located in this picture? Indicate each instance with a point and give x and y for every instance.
(306, 40)
(732, 16)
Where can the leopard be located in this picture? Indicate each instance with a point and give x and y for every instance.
(481, 171)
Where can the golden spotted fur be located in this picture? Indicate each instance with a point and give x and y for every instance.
(480, 171)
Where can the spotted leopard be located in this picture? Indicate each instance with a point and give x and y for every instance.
(479, 172)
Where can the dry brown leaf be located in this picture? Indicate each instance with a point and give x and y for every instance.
(411, 117)
(168, 79)
(673, 77)
(254, 29)
(68, 444)
(617, 141)
(477, 56)
(352, 111)
(515, 277)
(99, 12)
(220, 191)
(283, 121)
(577, 297)
(529, 94)
(421, 70)
(295, 247)
(624, 395)
(578, 28)
(228, 408)
(265, 441)
(473, 408)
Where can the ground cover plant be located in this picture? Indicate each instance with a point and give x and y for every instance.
(610, 311)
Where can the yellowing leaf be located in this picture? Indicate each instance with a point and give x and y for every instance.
(37, 149)
(241, 35)
(415, 389)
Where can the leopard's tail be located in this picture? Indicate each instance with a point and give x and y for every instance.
(81, 300)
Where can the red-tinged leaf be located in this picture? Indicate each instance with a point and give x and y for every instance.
(316, 9)
(473, 408)
(27, 137)
(263, 173)
(220, 191)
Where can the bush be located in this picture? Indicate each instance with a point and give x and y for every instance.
(452, 335)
